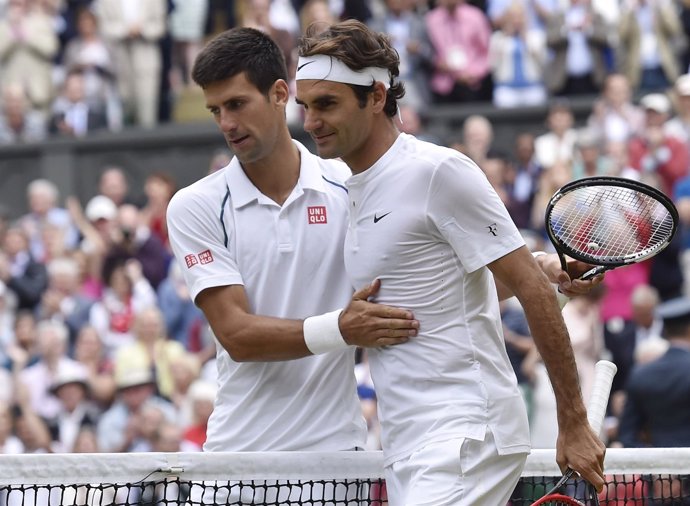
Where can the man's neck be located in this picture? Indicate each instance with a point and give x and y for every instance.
(276, 175)
(379, 143)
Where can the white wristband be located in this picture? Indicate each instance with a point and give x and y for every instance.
(322, 333)
(536, 254)
(562, 298)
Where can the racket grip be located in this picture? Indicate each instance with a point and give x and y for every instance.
(604, 371)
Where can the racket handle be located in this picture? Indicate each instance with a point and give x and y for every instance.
(604, 371)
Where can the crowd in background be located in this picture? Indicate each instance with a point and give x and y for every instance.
(101, 348)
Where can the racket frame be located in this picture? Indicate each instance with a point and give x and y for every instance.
(557, 499)
(601, 266)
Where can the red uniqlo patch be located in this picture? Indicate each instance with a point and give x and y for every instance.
(316, 215)
(205, 257)
(191, 261)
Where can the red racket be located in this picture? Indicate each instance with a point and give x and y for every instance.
(557, 500)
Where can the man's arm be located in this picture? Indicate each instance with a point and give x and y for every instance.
(578, 447)
(248, 337)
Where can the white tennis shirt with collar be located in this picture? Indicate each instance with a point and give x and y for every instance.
(425, 220)
(289, 259)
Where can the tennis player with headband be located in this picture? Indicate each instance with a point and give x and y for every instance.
(427, 223)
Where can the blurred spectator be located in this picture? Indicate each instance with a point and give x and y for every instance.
(200, 400)
(38, 378)
(410, 121)
(495, 167)
(220, 159)
(28, 44)
(648, 33)
(19, 121)
(459, 35)
(70, 387)
(477, 138)
(578, 37)
(72, 115)
(184, 321)
(589, 159)
(537, 11)
(648, 326)
(19, 271)
(133, 239)
(407, 32)
(9, 443)
(519, 343)
(186, 26)
(317, 12)
(133, 29)
(558, 143)
(679, 125)
(120, 427)
(656, 411)
(7, 316)
(256, 15)
(151, 349)
(522, 181)
(159, 187)
(62, 299)
(560, 173)
(43, 196)
(185, 369)
(23, 350)
(89, 54)
(614, 117)
(126, 293)
(518, 57)
(653, 151)
(113, 184)
(90, 352)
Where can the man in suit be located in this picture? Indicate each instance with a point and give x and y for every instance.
(657, 412)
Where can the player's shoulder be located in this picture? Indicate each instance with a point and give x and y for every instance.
(206, 193)
(432, 156)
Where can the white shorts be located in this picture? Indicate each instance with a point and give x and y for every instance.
(458, 472)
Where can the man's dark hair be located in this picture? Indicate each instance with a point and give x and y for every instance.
(240, 50)
(358, 47)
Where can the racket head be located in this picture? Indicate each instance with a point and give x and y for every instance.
(557, 500)
(610, 221)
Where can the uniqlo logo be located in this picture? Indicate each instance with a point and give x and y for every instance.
(205, 257)
(191, 261)
(316, 215)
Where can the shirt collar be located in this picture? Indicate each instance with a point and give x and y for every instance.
(243, 191)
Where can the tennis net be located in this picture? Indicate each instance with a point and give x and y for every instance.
(636, 477)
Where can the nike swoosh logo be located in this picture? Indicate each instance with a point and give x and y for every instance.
(379, 218)
(304, 65)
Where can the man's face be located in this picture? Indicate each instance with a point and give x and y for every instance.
(249, 120)
(333, 117)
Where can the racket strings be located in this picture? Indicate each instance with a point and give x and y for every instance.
(611, 223)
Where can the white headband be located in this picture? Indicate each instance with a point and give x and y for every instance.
(328, 68)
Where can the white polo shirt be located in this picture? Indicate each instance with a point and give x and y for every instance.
(290, 261)
(425, 220)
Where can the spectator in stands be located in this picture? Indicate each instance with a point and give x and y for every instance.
(133, 239)
(558, 143)
(589, 159)
(89, 54)
(656, 411)
(114, 184)
(648, 33)
(90, 352)
(19, 271)
(70, 387)
(679, 125)
(219, 160)
(20, 122)
(653, 151)
(560, 173)
(134, 29)
(28, 44)
(53, 341)
(519, 343)
(407, 31)
(316, 12)
(459, 35)
(477, 138)
(256, 15)
(200, 399)
(186, 25)
(126, 293)
(537, 11)
(23, 349)
(62, 299)
(7, 316)
(72, 115)
(120, 427)
(151, 349)
(9, 442)
(577, 38)
(518, 57)
(183, 319)
(522, 180)
(159, 187)
(614, 116)
(43, 199)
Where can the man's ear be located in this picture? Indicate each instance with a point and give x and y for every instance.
(281, 92)
(379, 96)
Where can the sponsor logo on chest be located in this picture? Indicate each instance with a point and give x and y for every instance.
(316, 215)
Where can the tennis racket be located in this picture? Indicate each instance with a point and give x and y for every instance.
(604, 371)
(609, 222)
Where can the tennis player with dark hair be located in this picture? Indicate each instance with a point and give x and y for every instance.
(427, 223)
